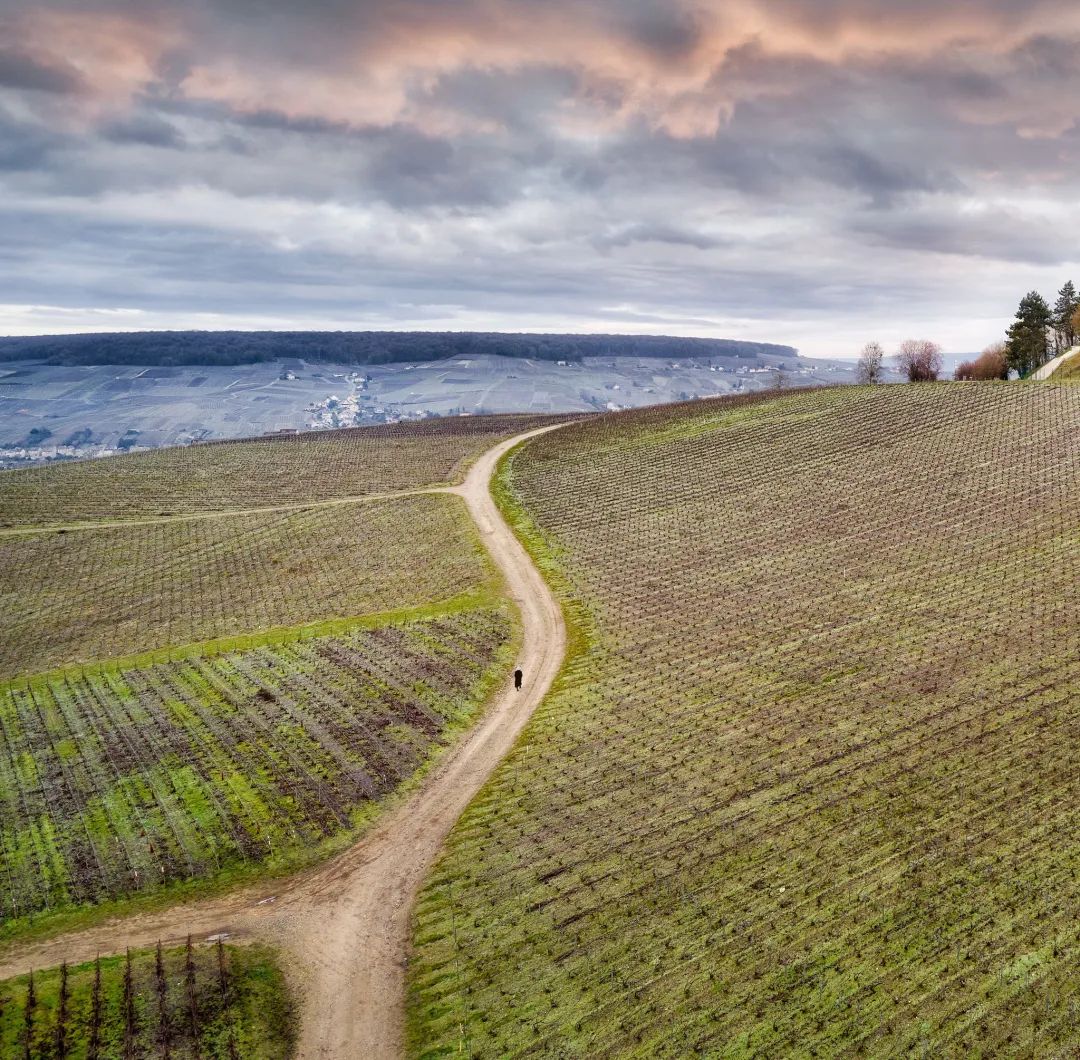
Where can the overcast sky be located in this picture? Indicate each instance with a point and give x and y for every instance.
(814, 172)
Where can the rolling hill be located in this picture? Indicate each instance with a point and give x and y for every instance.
(218, 661)
(357, 347)
(806, 782)
(809, 781)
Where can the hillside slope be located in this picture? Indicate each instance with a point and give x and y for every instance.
(312, 467)
(810, 781)
(188, 700)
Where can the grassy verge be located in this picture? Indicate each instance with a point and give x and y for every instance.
(580, 625)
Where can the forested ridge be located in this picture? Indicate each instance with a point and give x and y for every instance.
(169, 348)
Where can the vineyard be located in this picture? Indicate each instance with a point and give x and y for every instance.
(94, 594)
(215, 1002)
(266, 472)
(192, 701)
(116, 779)
(1069, 370)
(810, 781)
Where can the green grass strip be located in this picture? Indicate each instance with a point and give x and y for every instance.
(473, 600)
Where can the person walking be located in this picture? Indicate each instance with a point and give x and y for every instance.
(518, 675)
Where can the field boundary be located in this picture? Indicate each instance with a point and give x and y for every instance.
(30, 530)
(581, 627)
(269, 637)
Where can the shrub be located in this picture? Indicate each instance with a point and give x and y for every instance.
(992, 363)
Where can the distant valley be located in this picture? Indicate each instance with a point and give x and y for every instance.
(57, 411)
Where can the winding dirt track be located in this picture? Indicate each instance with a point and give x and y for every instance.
(344, 926)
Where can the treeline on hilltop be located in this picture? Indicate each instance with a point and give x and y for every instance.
(174, 348)
(1039, 333)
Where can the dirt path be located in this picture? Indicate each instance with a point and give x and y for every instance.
(1048, 369)
(344, 926)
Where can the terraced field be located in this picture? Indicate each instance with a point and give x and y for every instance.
(810, 782)
(265, 472)
(196, 1001)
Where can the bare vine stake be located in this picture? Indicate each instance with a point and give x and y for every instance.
(62, 1014)
(28, 1017)
(94, 1046)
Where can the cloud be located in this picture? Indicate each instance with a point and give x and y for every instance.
(804, 165)
(24, 70)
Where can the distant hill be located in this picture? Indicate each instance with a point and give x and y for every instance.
(173, 348)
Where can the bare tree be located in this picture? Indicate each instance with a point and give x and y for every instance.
(992, 363)
(94, 1048)
(871, 364)
(129, 1009)
(28, 1018)
(192, 1000)
(162, 984)
(920, 360)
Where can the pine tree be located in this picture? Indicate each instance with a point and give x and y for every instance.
(1028, 341)
(1065, 309)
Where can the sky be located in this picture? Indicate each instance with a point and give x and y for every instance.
(813, 172)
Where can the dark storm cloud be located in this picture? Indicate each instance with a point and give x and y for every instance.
(20, 69)
(142, 127)
(26, 146)
(574, 160)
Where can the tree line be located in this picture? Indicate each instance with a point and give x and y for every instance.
(918, 360)
(1041, 331)
(218, 348)
(1038, 333)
